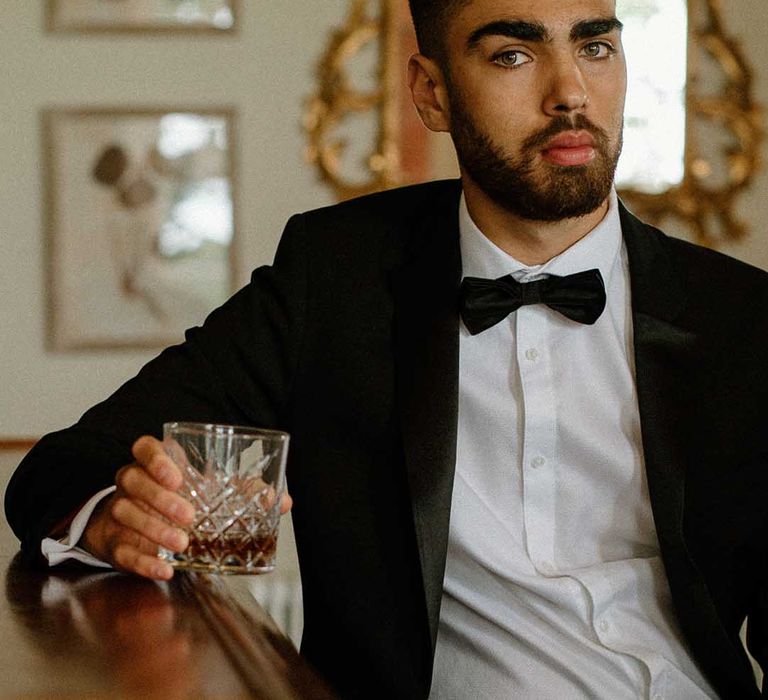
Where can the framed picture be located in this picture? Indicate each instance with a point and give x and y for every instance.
(215, 16)
(140, 223)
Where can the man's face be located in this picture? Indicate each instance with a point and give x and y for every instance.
(536, 91)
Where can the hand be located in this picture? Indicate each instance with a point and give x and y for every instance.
(144, 513)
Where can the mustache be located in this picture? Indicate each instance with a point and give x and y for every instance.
(562, 123)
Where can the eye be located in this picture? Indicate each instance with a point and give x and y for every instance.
(511, 59)
(598, 49)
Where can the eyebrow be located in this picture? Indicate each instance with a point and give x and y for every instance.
(595, 27)
(537, 32)
(513, 29)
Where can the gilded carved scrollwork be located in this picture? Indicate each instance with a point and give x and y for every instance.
(717, 168)
(337, 99)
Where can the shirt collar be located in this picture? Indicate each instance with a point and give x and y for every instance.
(598, 249)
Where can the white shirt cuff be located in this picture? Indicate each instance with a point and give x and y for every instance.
(57, 551)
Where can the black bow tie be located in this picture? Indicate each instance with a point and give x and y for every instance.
(483, 303)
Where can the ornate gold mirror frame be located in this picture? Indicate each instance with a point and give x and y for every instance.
(717, 168)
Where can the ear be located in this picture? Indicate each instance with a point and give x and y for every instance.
(427, 84)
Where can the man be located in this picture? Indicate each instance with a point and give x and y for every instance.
(557, 494)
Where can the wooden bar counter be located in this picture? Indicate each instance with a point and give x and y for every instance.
(86, 633)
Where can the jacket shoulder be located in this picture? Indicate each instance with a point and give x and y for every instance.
(704, 271)
(714, 273)
(387, 208)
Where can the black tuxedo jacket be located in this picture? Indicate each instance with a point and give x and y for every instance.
(350, 342)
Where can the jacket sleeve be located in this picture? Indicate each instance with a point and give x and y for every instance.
(238, 367)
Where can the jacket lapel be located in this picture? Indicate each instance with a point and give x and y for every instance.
(666, 358)
(663, 353)
(426, 340)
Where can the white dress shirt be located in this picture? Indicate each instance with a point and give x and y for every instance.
(57, 551)
(554, 586)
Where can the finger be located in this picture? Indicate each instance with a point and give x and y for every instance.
(129, 551)
(139, 486)
(134, 539)
(149, 510)
(103, 533)
(268, 496)
(150, 454)
(133, 560)
(153, 529)
(286, 503)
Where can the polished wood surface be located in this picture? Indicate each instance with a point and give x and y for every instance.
(87, 633)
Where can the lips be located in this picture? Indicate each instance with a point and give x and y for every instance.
(570, 148)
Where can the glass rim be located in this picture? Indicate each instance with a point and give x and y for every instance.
(224, 429)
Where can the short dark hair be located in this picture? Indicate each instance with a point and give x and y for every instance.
(430, 19)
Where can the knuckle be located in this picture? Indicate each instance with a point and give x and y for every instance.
(152, 529)
(120, 509)
(157, 463)
(179, 509)
(164, 469)
(146, 566)
(143, 568)
(127, 476)
(124, 555)
(120, 475)
(168, 504)
(142, 444)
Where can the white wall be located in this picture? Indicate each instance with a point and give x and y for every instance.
(265, 71)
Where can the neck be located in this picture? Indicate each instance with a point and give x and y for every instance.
(530, 242)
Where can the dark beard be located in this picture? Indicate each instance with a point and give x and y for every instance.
(556, 192)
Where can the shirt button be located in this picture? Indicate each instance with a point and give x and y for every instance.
(604, 626)
(532, 354)
(538, 462)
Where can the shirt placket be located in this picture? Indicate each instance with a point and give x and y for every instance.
(538, 450)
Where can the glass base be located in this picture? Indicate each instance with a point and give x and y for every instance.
(227, 566)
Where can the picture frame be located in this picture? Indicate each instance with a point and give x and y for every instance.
(140, 223)
(141, 16)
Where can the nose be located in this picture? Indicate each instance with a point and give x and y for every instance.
(566, 89)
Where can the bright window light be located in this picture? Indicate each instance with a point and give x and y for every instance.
(655, 41)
